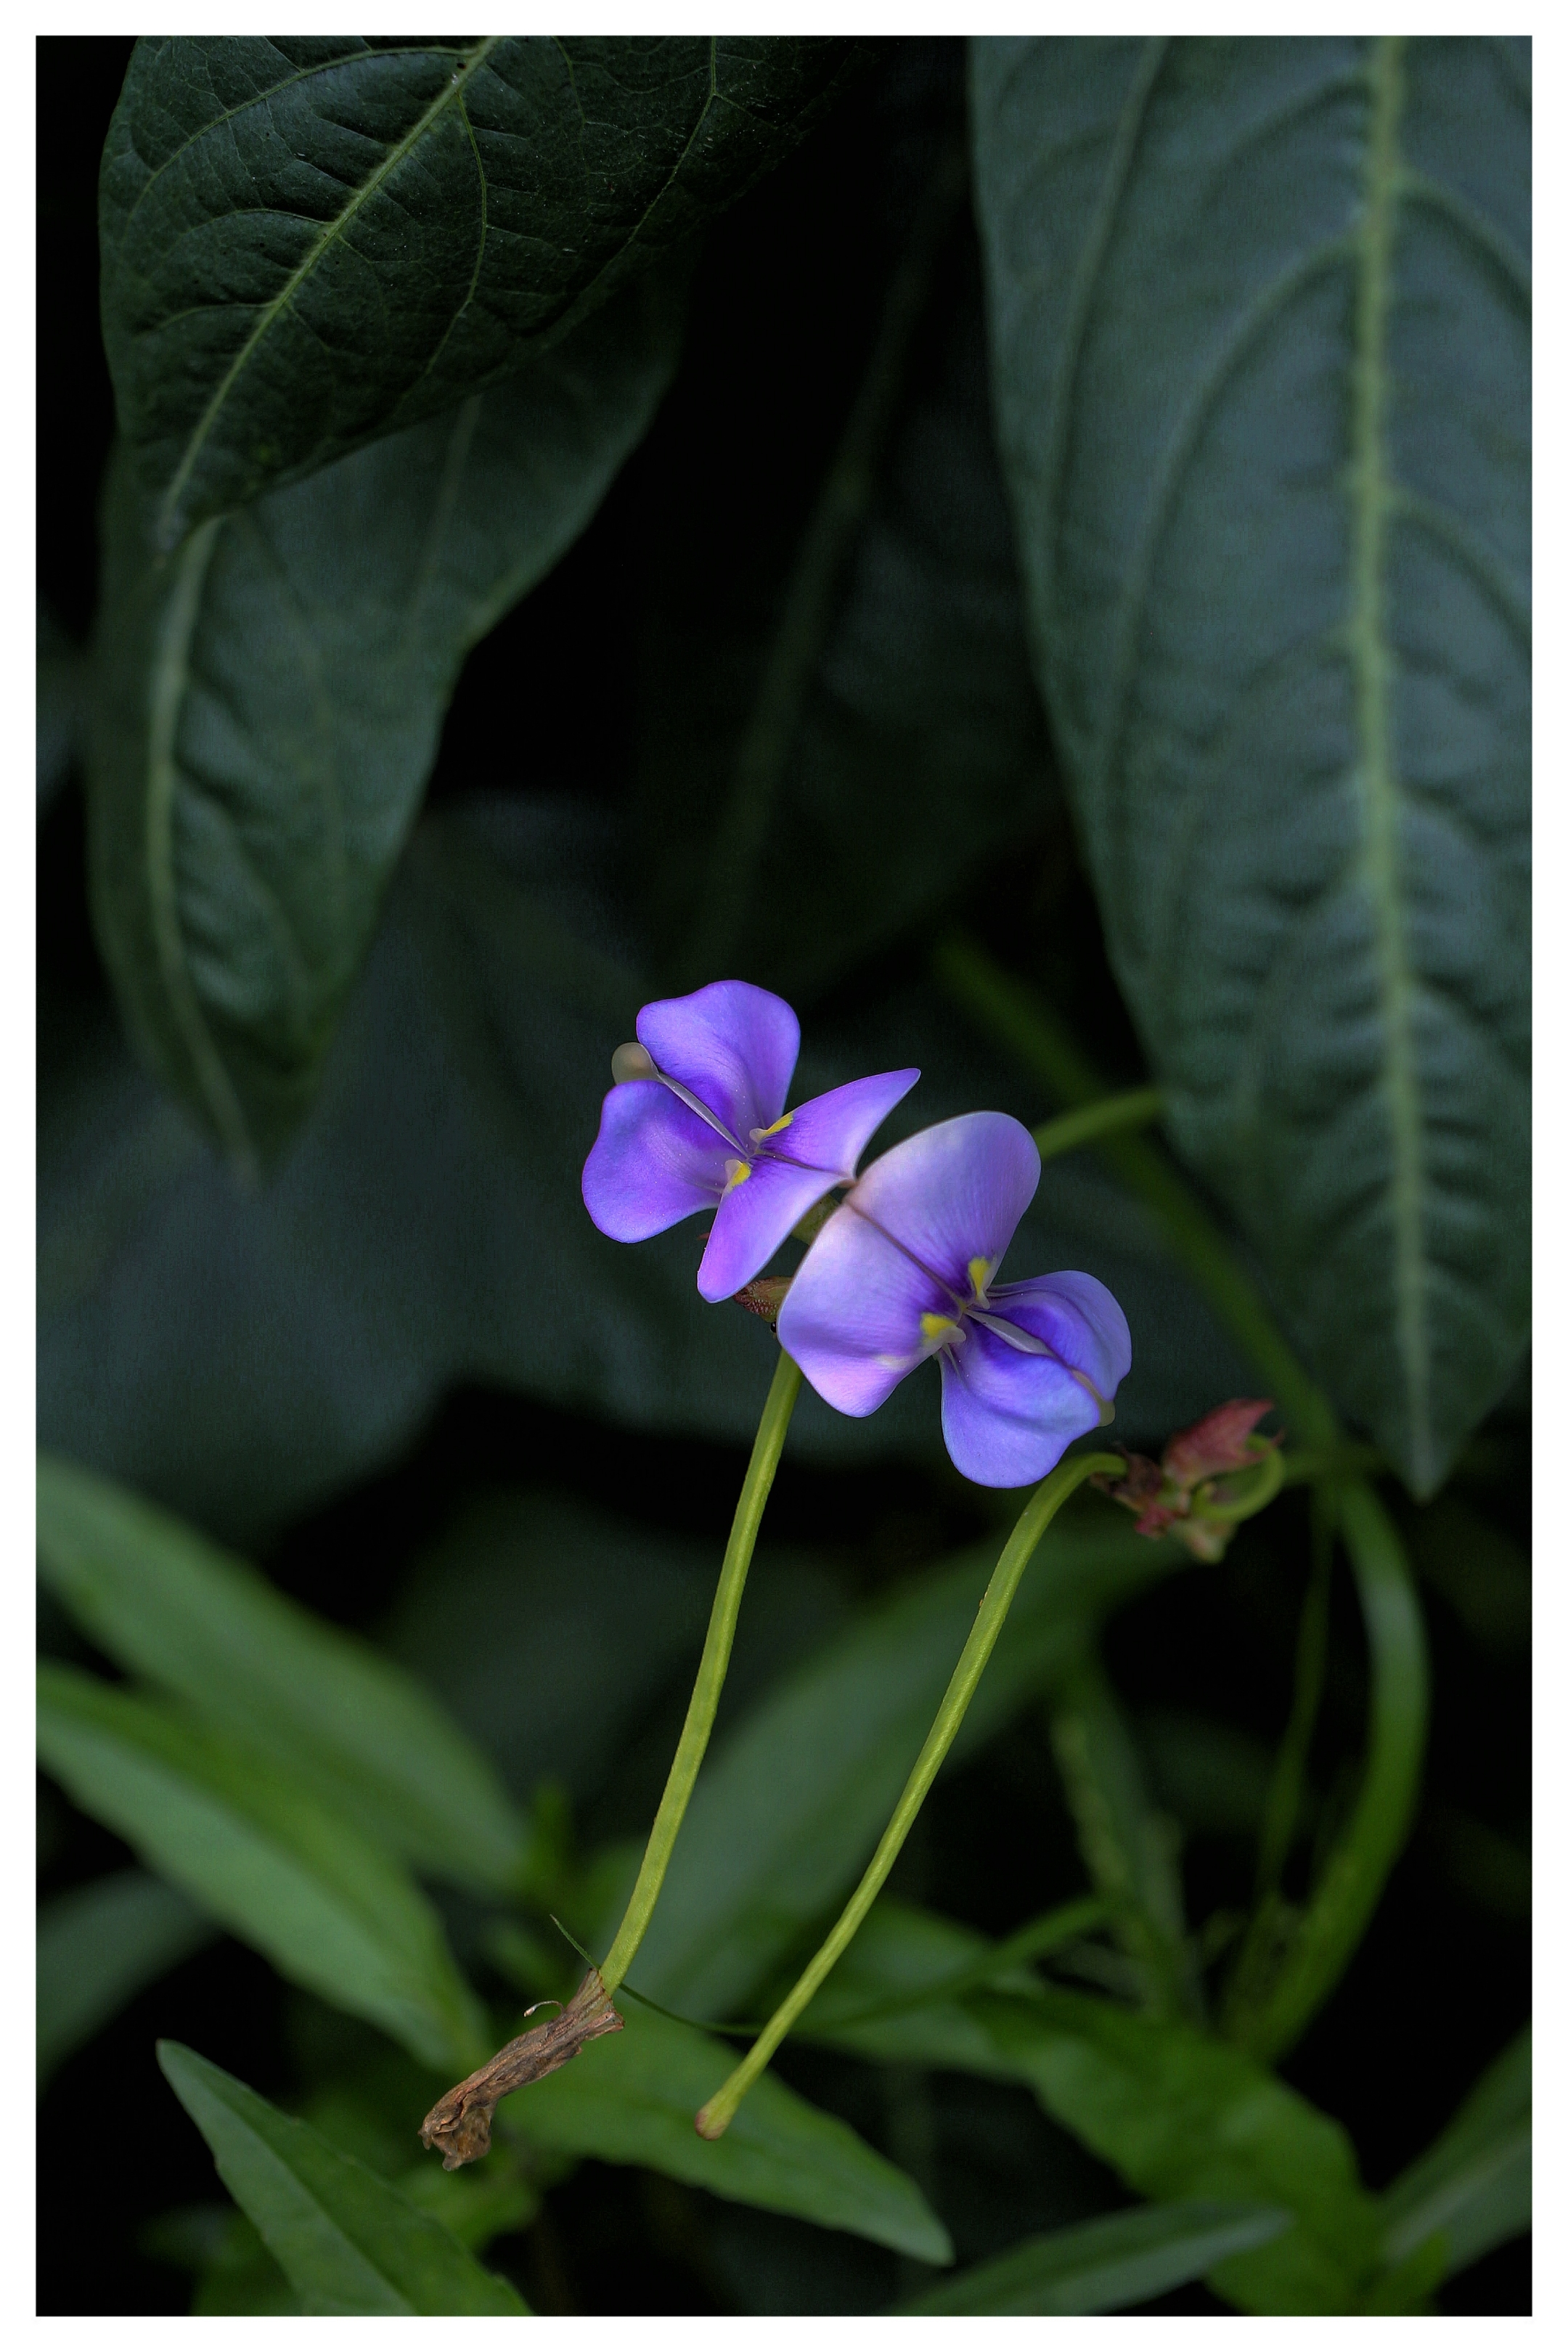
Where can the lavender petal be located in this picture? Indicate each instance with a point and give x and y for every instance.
(1079, 1318)
(852, 1318)
(833, 1130)
(754, 1216)
(955, 1192)
(1007, 1419)
(653, 1162)
(735, 1046)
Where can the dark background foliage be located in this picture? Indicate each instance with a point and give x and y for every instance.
(635, 660)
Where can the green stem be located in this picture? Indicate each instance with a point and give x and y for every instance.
(1113, 1114)
(1358, 1868)
(1023, 1022)
(1283, 1806)
(1034, 1518)
(711, 1671)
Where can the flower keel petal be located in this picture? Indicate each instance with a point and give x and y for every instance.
(1008, 1418)
(1079, 1318)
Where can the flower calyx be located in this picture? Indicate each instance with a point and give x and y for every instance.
(1193, 1492)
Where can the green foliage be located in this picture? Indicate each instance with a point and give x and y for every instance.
(348, 2243)
(1274, 518)
(98, 1947)
(1471, 2189)
(260, 1853)
(1105, 2265)
(308, 243)
(337, 1717)
(630, 2097)
(270, 700)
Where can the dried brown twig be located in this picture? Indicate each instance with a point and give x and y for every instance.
(460, 2122)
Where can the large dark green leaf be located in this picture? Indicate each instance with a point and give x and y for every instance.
(308, 243)
(348, 2243)
(270, 700)
(630, 2097)
(1260, 326)
(790, 1806)
(1105, 2265)
(333, 1713)
(330, 1310)
(98, 1947)
(260, 1853)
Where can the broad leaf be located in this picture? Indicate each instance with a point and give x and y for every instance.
(1260, 328)
(630, 2097)
(1106, 2265)
(260, 1853)
(1180, 2115)
(347, 2242)
(335, 1715)
(98, 1947)
(270, 702)
(307, 243)
(1472, 2188)
(790, 1806)
(333, 1309)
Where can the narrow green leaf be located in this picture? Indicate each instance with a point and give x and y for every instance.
(1473, 2185)
(263, 1856)
(1106, 2265)
(630, 2097)
(790, 1806)
(98, 1947)
(307, 243)
(1180, 2116)
(271, 703)
(348, 2243)
(1260, 319)
(337, 1716)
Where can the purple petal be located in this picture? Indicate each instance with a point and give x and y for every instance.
(755, 1217)
(833, 1130)
(654, 1162)
(733, 1045)
(1076, 1315)
(955, 1192)
(852, 1316)
(1008, 1418)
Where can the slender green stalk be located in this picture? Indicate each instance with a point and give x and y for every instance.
(1034, 1518)
(1373, 1840)
(1113, 1114)
(711, 1670)
(1023, 1022)
(1283, 1806)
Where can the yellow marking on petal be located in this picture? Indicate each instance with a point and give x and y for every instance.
(735, 1172)
(932, 1328)
(758, 1132)
(981, 1270)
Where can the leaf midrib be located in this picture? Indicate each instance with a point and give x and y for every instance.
(451, 94)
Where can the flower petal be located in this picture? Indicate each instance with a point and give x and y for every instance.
(653, 1162)
(735, 1046)
(1076, 1315)
(1008, 1418)
(955, 1192)
(833, 1130)
(754, 1216)
(852, 1318)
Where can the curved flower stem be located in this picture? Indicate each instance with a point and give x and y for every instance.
(1034, 1518)
(1092, 1122)
(1367, 1849)
(712, 1669)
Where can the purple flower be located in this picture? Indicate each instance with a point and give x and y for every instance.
(906, 1269)
(697, 1120)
